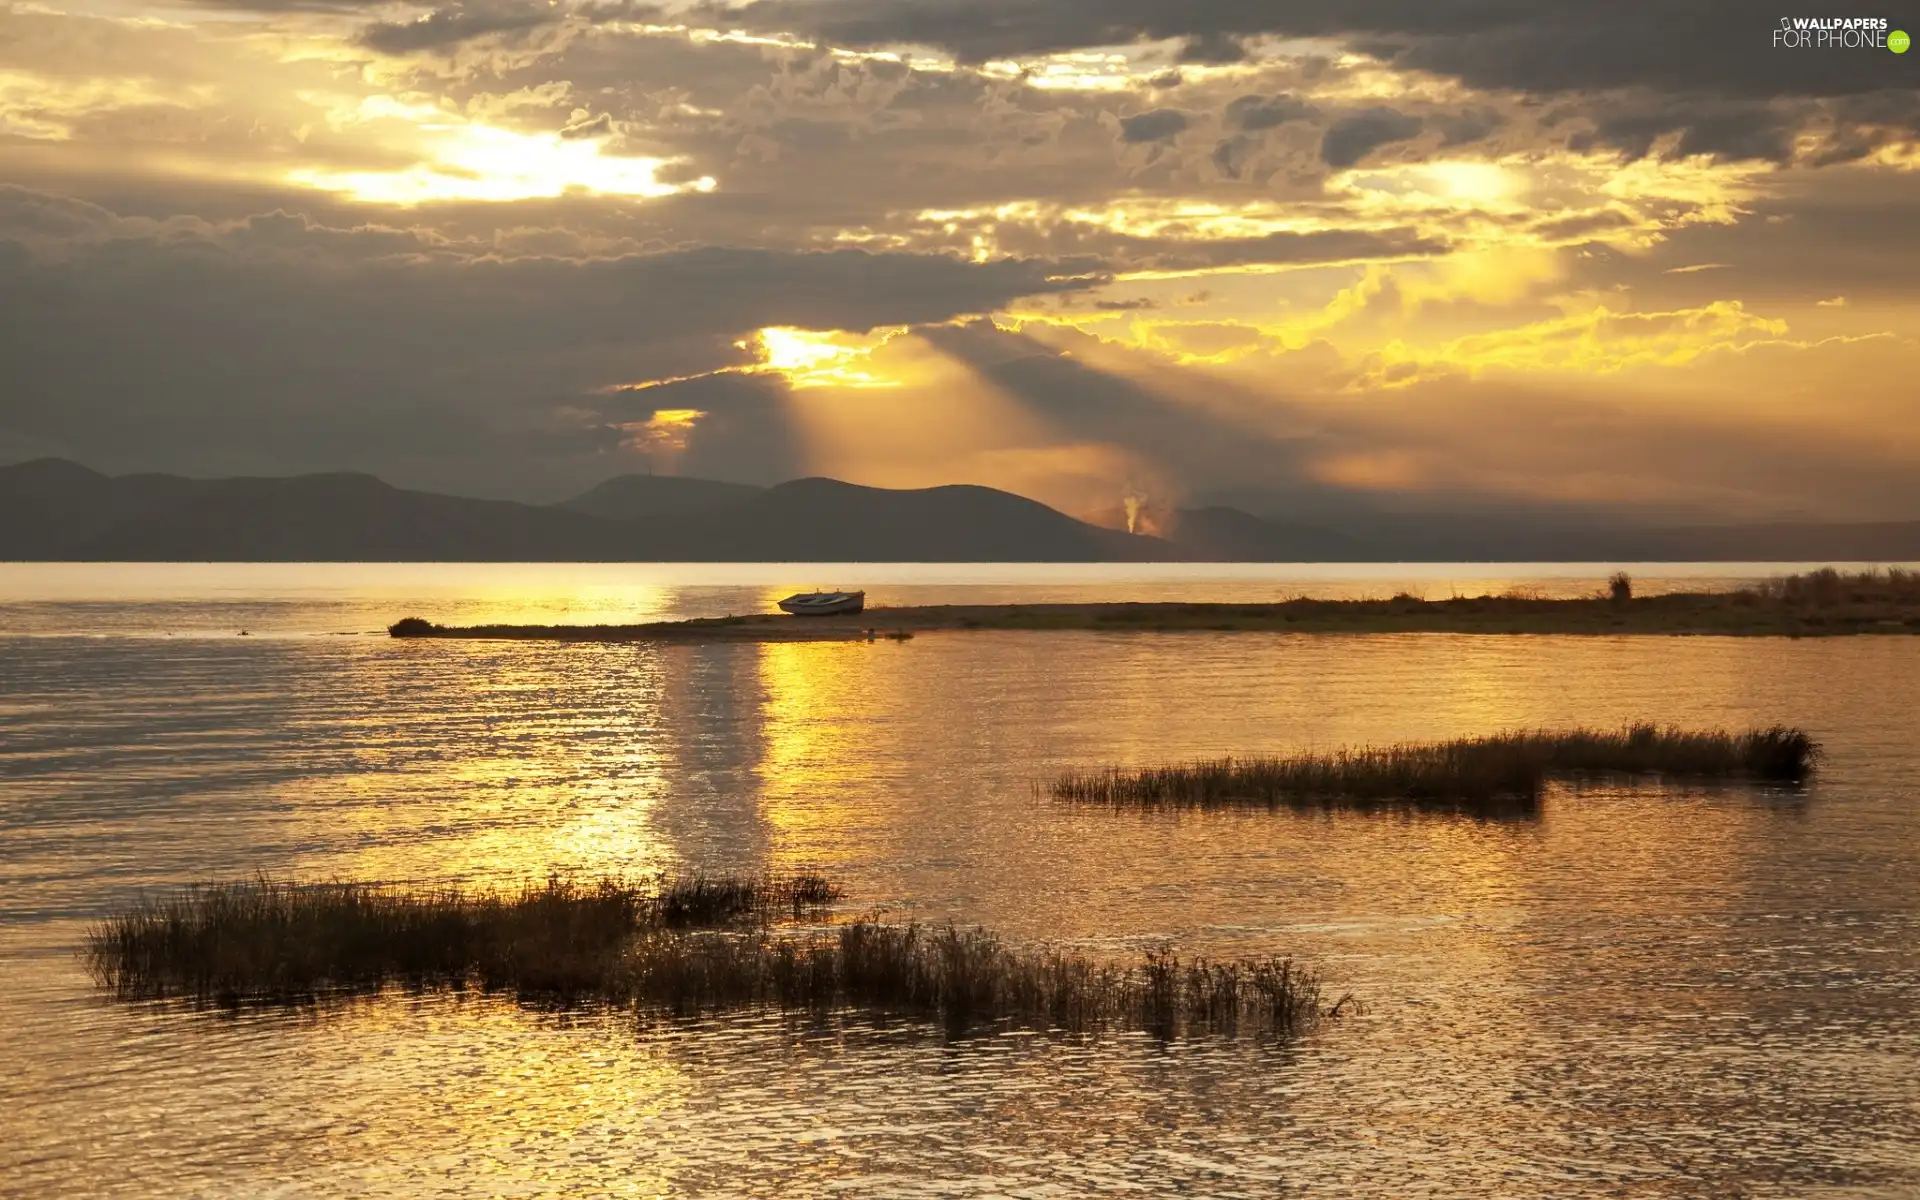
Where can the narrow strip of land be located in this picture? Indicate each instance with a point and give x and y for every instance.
(1829, 605)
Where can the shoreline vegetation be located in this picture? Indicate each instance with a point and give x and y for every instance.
(1822, 603)
(1484, 774)
(684, 948)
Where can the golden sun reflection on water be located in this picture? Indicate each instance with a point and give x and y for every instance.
(824, 746)
(491, 1092)
(546, 758)
(1716, 982)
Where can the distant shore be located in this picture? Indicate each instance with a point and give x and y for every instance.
(1823, 604)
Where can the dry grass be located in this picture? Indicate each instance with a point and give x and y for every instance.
(1828, 588)
(965, 978)
(688, 948)
(1469, 773)
(264, 939)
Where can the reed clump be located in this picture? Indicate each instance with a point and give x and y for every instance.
(1467, 773)
(279, 941)
(1829, 588)
(688, 948)
(964, 977)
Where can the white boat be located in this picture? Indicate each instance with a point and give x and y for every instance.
(823, 604)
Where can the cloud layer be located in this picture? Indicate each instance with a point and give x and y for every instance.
(1368, 254)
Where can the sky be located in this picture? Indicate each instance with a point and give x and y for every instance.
(1637, 258)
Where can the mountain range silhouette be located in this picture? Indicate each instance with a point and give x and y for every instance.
(56, 510)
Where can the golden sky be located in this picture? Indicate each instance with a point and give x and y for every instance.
(1377, 252)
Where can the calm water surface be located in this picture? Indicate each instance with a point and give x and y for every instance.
(1641, 992)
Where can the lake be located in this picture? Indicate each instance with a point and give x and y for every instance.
(1642, 991)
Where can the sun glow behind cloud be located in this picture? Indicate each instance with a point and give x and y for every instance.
(667, 428)
(813, 358)
(805, 358)
(1451, 185)
(1098, 71)
(468, 160)
(1531, 251)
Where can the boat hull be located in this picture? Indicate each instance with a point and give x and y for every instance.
(824, 604)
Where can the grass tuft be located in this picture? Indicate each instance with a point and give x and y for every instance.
(1493, 772)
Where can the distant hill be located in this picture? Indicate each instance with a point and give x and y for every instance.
(58, 510)
(821, 520)
(52, 509)
(824, 520)
(641, 497)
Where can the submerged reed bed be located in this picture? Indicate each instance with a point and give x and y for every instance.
(264, 939)
(1492, 773)
(965, 977)
(689, 948)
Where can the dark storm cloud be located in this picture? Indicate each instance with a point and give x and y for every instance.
(1152, 126)
(1545, 46)
(1808, 243)
(1175, 251)
(1213, 48)
(1230, 154)
(979, 30)
(449, 26)
(1725, 130)
(273, 344)
(1351, 139)
(457, 23)
(1462, 128)
(1714, 47)
(1867, 122)
(1250, 114)
(746, 431)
